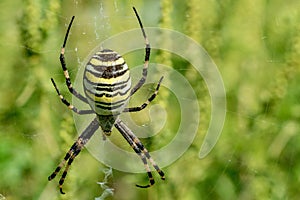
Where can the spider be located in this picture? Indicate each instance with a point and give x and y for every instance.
(107, 88)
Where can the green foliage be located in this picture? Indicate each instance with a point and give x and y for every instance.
(256, 46)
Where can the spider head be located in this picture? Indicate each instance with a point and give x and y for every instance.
(107, 133)
(106, 123)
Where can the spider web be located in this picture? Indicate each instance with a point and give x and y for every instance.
(274, 149)
(95, 25)
(101, 24)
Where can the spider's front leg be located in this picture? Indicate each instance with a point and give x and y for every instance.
(70, 156)
(139, 148)
(74, 151)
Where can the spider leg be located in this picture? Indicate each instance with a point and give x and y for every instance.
(67, 103)
(139, 148)
(146, 60)
(64, 66)
(62, 163)
(139, 152)
(74, 151)
(146, 153)
(71, 159)
(145, 104)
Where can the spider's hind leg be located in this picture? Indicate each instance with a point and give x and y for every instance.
(147, 56)
(64, 66)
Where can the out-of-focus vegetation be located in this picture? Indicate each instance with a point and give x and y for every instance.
(254, 43)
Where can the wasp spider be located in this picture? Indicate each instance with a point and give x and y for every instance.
(107, 88)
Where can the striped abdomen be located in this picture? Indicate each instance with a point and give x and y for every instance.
(107, 84)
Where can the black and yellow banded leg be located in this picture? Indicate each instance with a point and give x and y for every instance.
(145, 104)
(139, 144)
(62, 163)
(74, 151)
(149, 173)
(70, 155)
(146, 60)
(123, 131)
(67, 103)
(64, 174)
(138, 147)
(64, 66)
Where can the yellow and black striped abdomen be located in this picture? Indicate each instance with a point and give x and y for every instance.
(107, 83)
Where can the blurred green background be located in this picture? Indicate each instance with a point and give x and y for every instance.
(254, 43)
